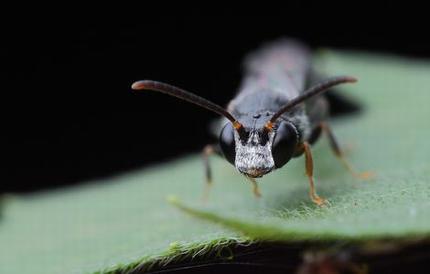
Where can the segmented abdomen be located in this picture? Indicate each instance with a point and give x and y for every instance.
(280, 66)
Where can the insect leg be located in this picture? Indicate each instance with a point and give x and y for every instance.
(339, 153)
(208, 150)
(255, 188)
(310, 173)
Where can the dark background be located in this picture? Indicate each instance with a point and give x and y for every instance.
(69, 115)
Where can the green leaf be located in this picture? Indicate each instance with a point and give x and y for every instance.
(126, 222)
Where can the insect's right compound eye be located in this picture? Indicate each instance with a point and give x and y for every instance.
(227, 143)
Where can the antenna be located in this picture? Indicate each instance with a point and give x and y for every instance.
(187, 96)
(311, 92)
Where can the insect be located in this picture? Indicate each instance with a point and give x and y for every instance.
(278, 113)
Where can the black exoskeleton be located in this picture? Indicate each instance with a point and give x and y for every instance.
(276, 115)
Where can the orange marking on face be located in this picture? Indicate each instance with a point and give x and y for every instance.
(237, 125)
(269, 126)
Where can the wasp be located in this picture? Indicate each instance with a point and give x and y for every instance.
(280, 110)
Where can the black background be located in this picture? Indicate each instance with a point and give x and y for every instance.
(68, 112)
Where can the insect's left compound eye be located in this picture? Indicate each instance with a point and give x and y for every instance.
(284, 143)
(227, 143)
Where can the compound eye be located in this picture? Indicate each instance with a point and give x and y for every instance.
(284, 143)
(227, 143)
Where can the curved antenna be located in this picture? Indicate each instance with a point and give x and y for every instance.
(313, 91)
(185, 95)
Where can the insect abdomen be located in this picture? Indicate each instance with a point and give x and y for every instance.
(281, 66)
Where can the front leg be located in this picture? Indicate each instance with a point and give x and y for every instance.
(255, 188)
(310, 173)
(339, 153)
(208, 150)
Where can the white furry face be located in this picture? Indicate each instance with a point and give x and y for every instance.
(253, 158)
